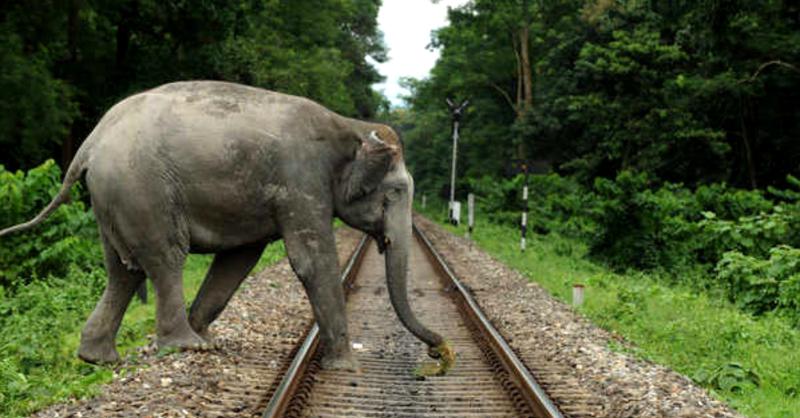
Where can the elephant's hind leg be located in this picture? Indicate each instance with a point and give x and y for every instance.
(165, 269)
(223, 278)
(99, 333)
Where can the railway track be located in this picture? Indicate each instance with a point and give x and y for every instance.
(487, 381)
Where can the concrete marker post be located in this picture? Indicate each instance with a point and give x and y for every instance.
(577, 294)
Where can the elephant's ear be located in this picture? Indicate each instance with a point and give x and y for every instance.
(370, 166)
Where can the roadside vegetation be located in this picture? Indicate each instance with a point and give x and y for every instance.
(50, 280)
(678, 317)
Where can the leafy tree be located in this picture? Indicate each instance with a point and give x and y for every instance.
(65, 63)
(691, 92)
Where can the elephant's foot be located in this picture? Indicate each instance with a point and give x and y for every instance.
(340, 362)
(98, 352)
(202, 330)
(206, 335)
(187, 340)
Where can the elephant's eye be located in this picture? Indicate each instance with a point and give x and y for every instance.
(392, 195)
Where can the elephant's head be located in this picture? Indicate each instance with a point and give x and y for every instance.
(374, 194)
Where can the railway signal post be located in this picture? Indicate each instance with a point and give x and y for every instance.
(456, 111)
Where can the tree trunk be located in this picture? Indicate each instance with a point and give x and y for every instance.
(748, 151)
(524, 75)
(518, 103)
(527, 77)
(126, 14)
(73, 15)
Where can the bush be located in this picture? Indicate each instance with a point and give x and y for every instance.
(763, 285)
(50, 278)
(641, 228)
(753, 235)
(67, 238)
(675, 229)
(555, 203)
(713, 238)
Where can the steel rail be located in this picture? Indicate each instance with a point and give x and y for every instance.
(536, 397)
(283, 394)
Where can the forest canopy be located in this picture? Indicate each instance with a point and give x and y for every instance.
(686, 91)
(64, 63)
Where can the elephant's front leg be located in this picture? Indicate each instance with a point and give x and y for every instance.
(312, 254)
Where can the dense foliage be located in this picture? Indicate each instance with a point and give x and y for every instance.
(66, 240)
(685, 91)
(669, 131)
(49, 279)
(737, 244)
(62, 64)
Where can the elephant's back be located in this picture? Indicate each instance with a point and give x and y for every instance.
(219, 100)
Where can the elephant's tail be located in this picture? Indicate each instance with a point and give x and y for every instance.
(74, 172)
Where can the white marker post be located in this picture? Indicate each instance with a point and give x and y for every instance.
(524, 223)
(577, 295)
(456, 212)
(470, 213)
(424, 201)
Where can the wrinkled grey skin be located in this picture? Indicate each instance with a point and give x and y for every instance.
(213, 167)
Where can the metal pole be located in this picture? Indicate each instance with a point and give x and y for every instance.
(453, 170)
(455, 113)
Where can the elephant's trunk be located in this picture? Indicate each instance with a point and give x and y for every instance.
(397, 228)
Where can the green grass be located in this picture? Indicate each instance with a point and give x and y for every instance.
(40, 331)
(753, 364)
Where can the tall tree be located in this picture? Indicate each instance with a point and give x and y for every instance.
(65, 63)
(685, 91)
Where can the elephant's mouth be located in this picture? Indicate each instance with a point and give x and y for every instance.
(382, 241)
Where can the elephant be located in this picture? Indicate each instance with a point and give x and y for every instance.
(223, 168)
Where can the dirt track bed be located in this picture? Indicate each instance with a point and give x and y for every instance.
(268, 316)
(547, 334)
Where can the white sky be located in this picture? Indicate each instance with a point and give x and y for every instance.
(407, 26)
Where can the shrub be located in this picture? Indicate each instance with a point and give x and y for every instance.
(555, 203)
(753, 235)
(728, 203)
(641, 228)
(763, 285)
(713, 238)
(67, 238)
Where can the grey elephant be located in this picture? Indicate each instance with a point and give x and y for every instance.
(216, 167)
